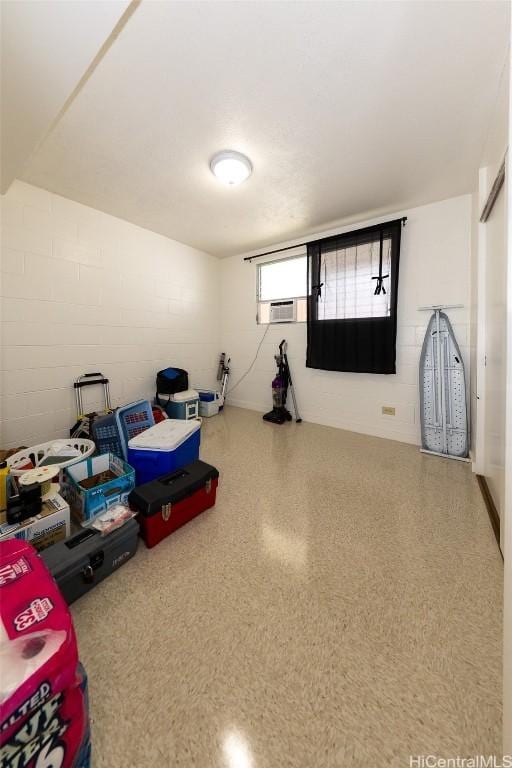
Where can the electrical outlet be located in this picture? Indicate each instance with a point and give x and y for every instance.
(388, 410)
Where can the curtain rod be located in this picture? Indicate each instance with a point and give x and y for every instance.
(403, 219)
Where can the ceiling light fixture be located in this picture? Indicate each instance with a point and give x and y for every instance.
(231, 167)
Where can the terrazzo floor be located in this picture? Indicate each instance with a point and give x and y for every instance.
(340, 606)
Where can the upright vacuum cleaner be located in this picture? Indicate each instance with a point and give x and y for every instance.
(279, 413)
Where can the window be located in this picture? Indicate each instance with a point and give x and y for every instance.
(350, 276)
(280, 280)
(352, 300)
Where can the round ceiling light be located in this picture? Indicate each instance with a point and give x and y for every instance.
(231, 167)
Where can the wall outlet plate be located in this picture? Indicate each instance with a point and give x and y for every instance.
(388, 410)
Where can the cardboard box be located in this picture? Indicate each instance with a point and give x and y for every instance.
(48, 527)
(89, 498)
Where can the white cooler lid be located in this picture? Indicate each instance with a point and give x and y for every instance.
(167, 435)
(188, 394)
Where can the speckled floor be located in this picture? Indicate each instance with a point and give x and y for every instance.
(340, 606)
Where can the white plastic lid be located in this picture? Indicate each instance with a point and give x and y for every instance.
(188, 394)
(167, 435)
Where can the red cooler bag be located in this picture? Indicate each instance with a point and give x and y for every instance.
(170, 501)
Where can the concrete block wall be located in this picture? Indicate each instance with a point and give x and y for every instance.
(434, 269)
(84, 291)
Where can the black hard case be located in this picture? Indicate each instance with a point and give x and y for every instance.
(176, 486)
(85, 559)
(170, 501)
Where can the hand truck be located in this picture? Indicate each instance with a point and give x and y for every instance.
(83, 425)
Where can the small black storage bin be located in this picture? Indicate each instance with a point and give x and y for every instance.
(85, 559)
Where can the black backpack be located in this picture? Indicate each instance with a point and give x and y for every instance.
(169, 381)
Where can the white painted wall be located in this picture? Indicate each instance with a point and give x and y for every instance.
(473, 322)
(434, 268)
(507, 521)
(84, 291)
(494, 305)
(488, 309)
(46, 48)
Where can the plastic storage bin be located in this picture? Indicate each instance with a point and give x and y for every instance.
(209, 402)
(133, 419)
(105, 432)
(183, 405)
(165, 447)
(89, 498)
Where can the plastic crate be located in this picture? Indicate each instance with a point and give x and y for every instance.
(105, 432)
(86, 503)
(133, 419)
(209, 402)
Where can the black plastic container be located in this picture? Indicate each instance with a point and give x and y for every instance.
(83, 560)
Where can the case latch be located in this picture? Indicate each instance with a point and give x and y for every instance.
(208, 486)
(95, 562)
(166, 511)
(88, 574)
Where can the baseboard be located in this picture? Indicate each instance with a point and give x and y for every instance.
(378, 430)
(491, 508)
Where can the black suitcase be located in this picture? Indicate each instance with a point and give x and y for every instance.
(83, 560)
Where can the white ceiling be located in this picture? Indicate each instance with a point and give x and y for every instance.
(344, 108)
(42, 60)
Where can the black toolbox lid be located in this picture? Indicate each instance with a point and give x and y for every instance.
(68, 557)
(169, 489)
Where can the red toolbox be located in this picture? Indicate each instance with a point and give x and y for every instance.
(170, 501)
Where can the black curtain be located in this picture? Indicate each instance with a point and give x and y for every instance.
(352, 300)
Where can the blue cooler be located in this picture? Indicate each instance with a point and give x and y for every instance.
(164, 448)
(183, 405)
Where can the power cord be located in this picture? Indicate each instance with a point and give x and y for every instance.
(251, 365)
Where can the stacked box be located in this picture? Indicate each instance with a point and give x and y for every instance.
(48, 527)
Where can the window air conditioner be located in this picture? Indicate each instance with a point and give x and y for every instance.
(283, 311)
